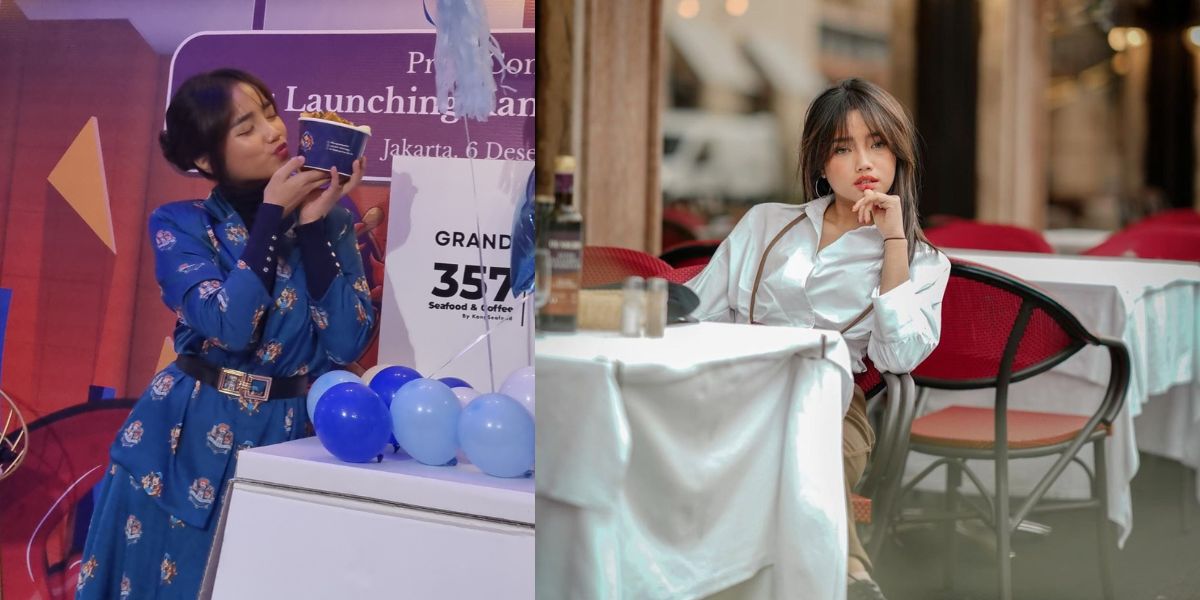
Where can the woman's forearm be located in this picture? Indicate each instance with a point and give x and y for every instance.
(895, 264)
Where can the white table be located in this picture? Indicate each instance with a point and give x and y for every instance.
(298, 523)
(679, 467)
(1154, 308)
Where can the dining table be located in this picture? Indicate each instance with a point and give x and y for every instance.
(703, 464)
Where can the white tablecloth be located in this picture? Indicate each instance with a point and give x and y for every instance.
(1075, 241)
(678, 467)
(1154, 308)
(298, 523)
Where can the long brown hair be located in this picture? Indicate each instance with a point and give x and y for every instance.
(825, 121)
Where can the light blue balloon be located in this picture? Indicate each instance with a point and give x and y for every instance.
(520, 387)
(425, 421)
(497, 435)
(322, 385)
(454, 382)
(388, 381)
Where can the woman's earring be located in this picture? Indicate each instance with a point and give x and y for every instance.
(817, 187)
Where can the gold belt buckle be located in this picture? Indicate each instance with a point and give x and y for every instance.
(243, 385)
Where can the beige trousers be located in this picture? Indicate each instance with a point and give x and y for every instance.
(857, 440)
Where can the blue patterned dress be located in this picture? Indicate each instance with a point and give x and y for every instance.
(154, 521)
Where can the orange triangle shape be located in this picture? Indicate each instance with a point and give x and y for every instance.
(79, 177)
(167, 355)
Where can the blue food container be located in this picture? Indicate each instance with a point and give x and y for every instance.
(327, 144)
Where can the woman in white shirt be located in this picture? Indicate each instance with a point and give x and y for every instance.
(851, 258)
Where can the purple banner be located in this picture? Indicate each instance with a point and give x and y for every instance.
(385, 80)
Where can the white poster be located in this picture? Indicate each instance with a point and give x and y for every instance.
(445, 215)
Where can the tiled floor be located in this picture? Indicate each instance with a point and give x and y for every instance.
(1159, 562)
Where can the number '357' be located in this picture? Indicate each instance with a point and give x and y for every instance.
(472, 286)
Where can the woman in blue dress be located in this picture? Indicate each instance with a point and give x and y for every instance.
(269, 291)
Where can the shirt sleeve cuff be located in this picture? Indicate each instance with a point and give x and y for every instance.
(321, 264)
(259, 255)
(894, 311)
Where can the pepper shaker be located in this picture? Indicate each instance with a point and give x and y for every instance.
(633, 307)
(656, 307)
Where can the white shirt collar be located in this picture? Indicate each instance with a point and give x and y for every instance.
(815, 209)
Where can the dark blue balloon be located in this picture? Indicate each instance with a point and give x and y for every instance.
(352, 422)
(322, 384)
(497, 435)
(521, 259)
(386, 382)
(454, 382)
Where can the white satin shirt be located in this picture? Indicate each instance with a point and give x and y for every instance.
(802, 287)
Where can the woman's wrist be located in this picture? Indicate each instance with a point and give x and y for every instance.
(259, 253)
(319, 256)
(285, 209)
(310, 213)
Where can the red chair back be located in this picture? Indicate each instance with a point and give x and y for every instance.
(68, 454)
(1176, 217)
(980, 313)
(686, 254)
(679, 226)
(869, 381)
(688, 219)
(603, 265)
(683, 274)
(988, 236)
(997, 329)
(1166, 242)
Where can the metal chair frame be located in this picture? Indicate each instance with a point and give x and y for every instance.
(998, 513)
(882, 479)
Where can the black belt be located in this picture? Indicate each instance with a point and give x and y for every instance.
(240, 384)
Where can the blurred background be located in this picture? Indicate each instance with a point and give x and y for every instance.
(1070, 117)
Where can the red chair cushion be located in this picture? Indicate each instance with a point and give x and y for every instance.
(862, 509)
(971, 427)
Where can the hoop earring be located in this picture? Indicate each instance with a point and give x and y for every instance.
(817, 188)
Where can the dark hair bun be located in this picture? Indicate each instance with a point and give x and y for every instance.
(197, 120)
(171, 151)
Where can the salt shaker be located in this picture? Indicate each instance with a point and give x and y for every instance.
(656, 307)
(633, 306)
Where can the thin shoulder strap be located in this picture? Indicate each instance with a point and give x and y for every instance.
(862, 315)
(762, 264)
